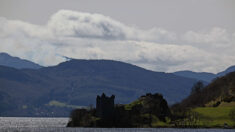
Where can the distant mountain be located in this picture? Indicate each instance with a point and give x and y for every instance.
(204, 76)
(15, 62)
(54, 91)
(228, 70)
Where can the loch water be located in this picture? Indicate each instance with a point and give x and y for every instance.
(32, 124)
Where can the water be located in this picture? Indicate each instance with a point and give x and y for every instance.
(18, 122)
(26, 124)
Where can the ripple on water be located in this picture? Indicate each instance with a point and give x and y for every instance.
(27, 124)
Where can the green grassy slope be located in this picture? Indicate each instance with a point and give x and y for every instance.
(211, 106)
(214, 116)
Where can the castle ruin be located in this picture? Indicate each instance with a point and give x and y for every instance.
(105, 106)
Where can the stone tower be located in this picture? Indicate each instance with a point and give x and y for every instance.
(105, 106)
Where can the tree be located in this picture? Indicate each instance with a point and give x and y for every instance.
(197, 87)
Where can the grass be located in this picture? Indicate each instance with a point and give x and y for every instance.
(225, 104)
(62, 104)
(214, 116)
(157, 123)
(129, 106)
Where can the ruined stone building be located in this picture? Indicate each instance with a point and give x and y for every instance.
(105, 106)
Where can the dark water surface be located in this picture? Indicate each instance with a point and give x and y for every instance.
(27, 124)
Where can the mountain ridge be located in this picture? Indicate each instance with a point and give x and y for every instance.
(16, 62)
(204, 76)
(77, 82)
(34, 92)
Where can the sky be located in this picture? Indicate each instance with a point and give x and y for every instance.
(159, 35)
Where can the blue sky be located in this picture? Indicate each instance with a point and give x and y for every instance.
(167, 36)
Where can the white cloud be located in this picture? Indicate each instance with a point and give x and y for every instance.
(215, 35)
(86, 25)
(94, 36)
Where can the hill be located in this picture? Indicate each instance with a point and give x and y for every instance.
(219, 91)
(228, 70)
(211, 106)
(15, 62)
(203, 76)
(54, 91)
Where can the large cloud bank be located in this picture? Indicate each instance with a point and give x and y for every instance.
(95, 36)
